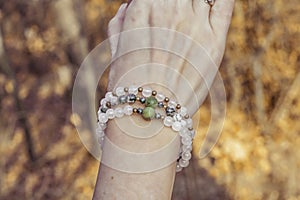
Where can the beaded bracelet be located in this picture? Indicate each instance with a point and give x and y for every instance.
(169, 112)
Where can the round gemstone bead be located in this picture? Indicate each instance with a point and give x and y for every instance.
(183, 123)
(131, 98)
(133, 89)
(102, 126)
(103, 102)
(100, 141)
(189, 123)
(168, 121)
(128, 110)
(170, 111)
(160, 97)
(176, 126)
(148, 113)
(192, 133)
(119, 112)
(151, 102)
(172, 104)
(183, 111)
(178, 168)
(186, 155)
(147, 92)
(103, 109)
(102, 117)
(120, 91)
(184, 132)
(99, 132)
(108, 95)
(140, 111)
(157, 115)
(160, 104)
(186, 148)
(114, 100)
(143, 100)
(183, 163)
(186, 140)
(123, 99)
(110, 113)
(177, 117)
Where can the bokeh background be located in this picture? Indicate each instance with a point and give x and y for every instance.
(43, 42)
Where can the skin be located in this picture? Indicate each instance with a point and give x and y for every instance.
(206, 27)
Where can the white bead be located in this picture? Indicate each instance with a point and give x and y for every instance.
(110, 113)
(99, 132)
(183, 111)
(186, 140)
(108, 95)
(183, 132)
(168, 121)
(101, 141)
(192, 133)
(102, 125)
(103, 101)
(120, 91)
(147, 92)
(102, 118)
(114, 100)
(186, 148)
(172, 104)
(177, 117)
(178, 168)
(176, 126)
(133, 90)
(128, 110)
(186, 155)
(160, 97)
(119, 112)
(183, 163)
(183, 123)
(189, 123)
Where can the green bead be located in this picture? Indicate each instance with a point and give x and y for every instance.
(148, 113)
(151, 102)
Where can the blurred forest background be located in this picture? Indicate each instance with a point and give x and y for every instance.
(42, 44)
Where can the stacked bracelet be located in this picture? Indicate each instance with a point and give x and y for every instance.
(152, 106)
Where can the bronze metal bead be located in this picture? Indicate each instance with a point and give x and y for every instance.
(108, 104)
(140, 89)
(137, 98)
(165, 106)
(167, 99)
(190, 129)
(186, 116)
(154, 93)
(178, 106)
(126, 89)
(134, 110)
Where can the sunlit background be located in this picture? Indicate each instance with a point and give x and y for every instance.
(43, 42)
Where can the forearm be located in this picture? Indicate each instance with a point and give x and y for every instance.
(116, 184)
